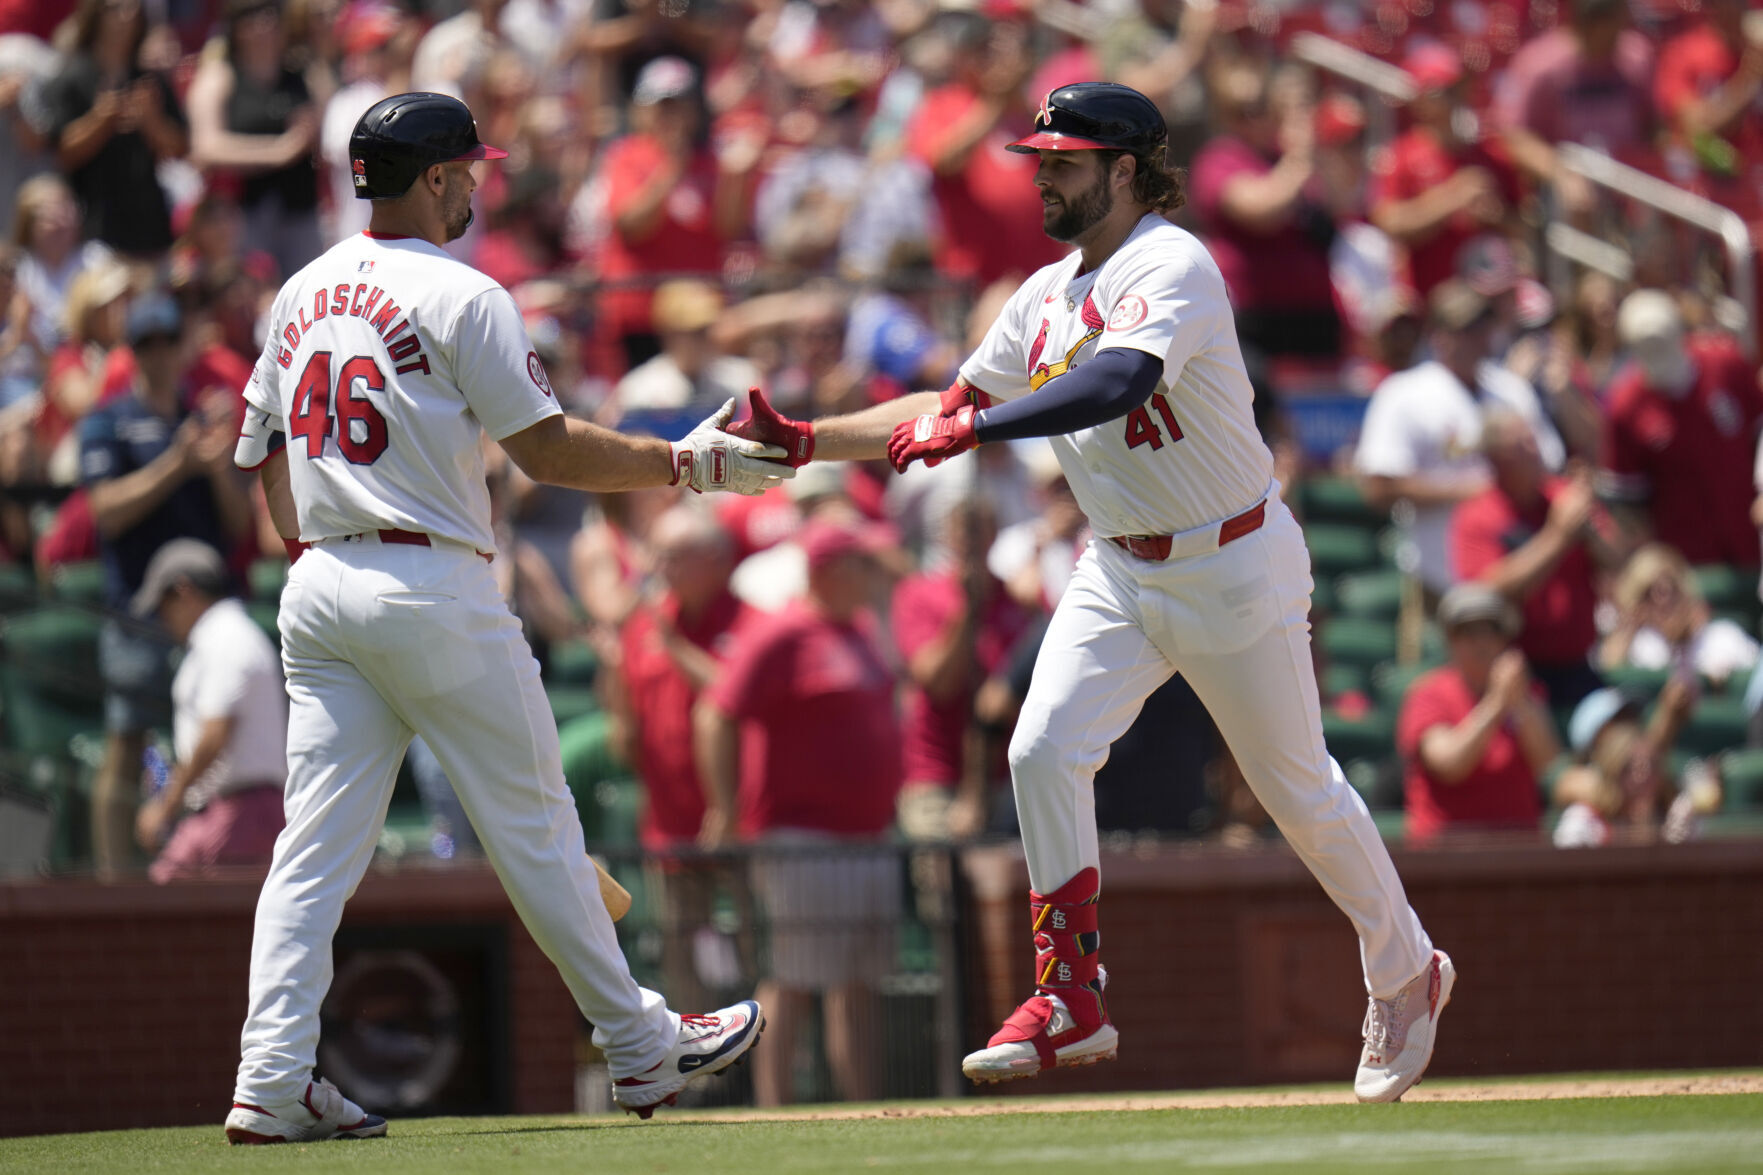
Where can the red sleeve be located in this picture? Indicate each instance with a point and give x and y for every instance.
(626, 164)
(1675, 84)
(754, 672)
(939, 111)
(920, 614)
(1389, 175)
(1475, 537)
(1426, 706)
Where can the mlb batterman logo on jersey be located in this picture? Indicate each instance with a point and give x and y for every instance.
(359, 168)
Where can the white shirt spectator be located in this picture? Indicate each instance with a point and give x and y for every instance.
(658, 385)
(1424, 423)
(348, 215)
(231, 669)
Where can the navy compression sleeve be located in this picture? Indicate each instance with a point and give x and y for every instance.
(1107, 387)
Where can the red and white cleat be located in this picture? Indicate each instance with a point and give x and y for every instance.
(1400, 1033)
(1041, 1034)
(322, 1113)
(706, 1045)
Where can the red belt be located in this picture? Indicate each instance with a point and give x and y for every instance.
(1156, 547)
(415, 538)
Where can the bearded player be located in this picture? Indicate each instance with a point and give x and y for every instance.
(1130, 359)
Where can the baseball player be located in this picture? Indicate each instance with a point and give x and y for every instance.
(1130, 357)
(386, 363)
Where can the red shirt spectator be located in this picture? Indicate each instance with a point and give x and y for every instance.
(1500, 792)
(990, 209)
(1559, 622)
(1589, 84)
(925, 607)
(1697, 67)
(661, 694)
(1275, 270)
(1689, 456)
(820, 745)
(1420, 161)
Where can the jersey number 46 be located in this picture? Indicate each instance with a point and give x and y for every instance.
(311, 417)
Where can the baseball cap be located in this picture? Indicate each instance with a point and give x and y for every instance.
(817, 479)
(1468, 603)
(823, 542)
(178, 559)
(664, 78)
(1339, 120)
(364, 27)
(1649, 316)
(153, 315)
(1596, 711)
(1456, 305)
(1434, 67)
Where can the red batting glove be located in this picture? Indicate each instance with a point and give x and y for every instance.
(767, 425)
(931, 438)
(956, 397)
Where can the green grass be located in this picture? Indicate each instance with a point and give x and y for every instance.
(1708, 1133)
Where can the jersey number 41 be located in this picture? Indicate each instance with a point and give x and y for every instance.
(311, 417)
(1142, 430)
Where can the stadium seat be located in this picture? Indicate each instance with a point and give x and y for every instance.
(1336, 549)
(571, 663)
(265, 579)
(1375, 595)
(1338, 500)
(1643, 682)
(1717, 724)
(18, 588)
(1352, 640)
(49, 683)
(1390, 681)
(1742, 774)
(569, 702)
(1372, 737)
(1727, 589)
(264, 613)
(78, 583)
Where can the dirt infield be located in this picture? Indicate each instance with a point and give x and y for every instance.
(1533, 1089)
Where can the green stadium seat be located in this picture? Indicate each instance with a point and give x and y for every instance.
(1353, 640)
(1341, 679)
(1372, 737)
(1644, 682)
(1391, 679)
(1336, 549)
(607, 796)
(1733, 826)
(1375, 595)
(1717, 724)
(49, 682)
(1337, 499)
(1742, 774)
(569, 702)
(571, 663)
(78, 583)
(1322, 599)
(264, 612)
(1727, 589)
(18, 588)
(265, 579)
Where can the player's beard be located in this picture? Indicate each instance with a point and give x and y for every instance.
(456, 213)
(1071, 219)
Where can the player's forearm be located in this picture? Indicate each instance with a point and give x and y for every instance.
(582, 456)
(278, 495)
(1106, 388)
(863, 436)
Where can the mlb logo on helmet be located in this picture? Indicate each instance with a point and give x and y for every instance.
(359, 167)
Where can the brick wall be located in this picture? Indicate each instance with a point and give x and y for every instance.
(120, 1005)
(1233, 968)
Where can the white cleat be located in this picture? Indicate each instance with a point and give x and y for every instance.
(706, 1045)
(1401, 1031)
(1012, 1059)
(322, 1113)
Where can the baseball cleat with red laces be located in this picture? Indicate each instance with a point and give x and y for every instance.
(707, 1044)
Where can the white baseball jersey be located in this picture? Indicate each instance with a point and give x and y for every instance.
(387, 361)
(1191, 454)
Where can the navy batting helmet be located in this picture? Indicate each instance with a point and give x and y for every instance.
(1091, 115)
(401, 136)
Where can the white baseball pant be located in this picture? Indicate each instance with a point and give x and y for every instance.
(380, 642)
(1235, 621)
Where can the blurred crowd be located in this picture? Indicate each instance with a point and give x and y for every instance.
(1556, 404)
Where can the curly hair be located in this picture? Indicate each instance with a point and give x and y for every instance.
(1154, 183)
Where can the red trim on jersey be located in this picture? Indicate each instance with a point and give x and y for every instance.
(367, 232)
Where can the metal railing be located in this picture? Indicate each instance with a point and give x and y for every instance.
(1698, 212)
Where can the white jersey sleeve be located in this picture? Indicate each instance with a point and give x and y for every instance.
(1155, 302)
(496, 367)
(1386, 445)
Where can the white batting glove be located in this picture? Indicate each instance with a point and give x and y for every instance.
(710, 459)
